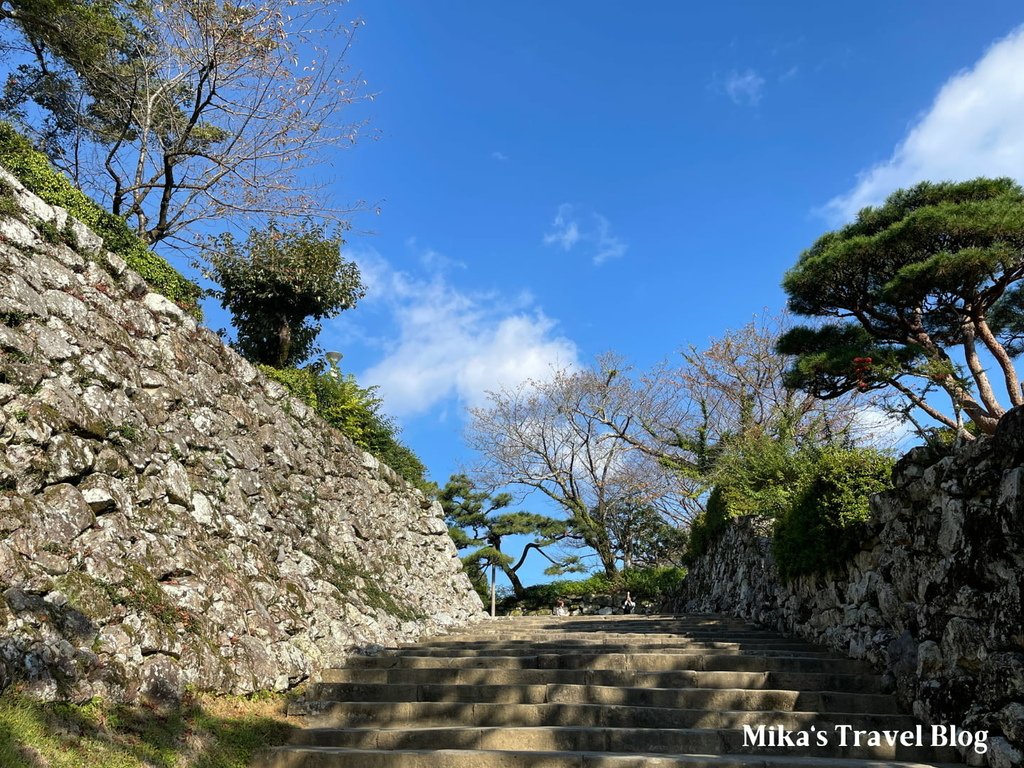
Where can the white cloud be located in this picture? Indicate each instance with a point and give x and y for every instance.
(499, 156)
(451, 343)
(744, 88)
(876, 427)
(570, 229)
(431, 260)
(789, 74)
(972, 129)
(608, 245)
(566, 232)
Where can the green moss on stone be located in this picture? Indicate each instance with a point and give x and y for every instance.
(33, 170)
(86, 595)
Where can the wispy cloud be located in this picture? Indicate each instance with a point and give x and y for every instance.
(451, 343)
(501, 157)
(587, 229)
(608, 245)
(431, 260)
(565, 231)
(744, 88)
(973, 128)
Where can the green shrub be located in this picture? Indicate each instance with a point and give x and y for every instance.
(355, 412)
(756, 475)
(300, 382)
(707, 526)
(824, 526)
(651, 583)
(34, 171)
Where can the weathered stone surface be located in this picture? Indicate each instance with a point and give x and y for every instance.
(168, 517)
(934, 598)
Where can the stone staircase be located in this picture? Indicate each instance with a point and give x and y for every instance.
(599, 692)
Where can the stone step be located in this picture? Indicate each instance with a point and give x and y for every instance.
(333, 757)
(542, 634)
(604, 739)
(557, 648)
(653, 629)
(800, 681)
(526, 649)
(684, 698)
(636, 644)
(608, 631)
(605, 623)
(592, 619)
(328, 714)
(598, 692)
(545, 634)
(640, 663)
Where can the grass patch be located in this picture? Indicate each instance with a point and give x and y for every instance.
(12, 319)
(8, 202)
(128, 432)
(202, 732)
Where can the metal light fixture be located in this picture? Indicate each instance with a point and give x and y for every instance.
(332, 361)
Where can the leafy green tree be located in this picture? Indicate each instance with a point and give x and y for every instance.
(475, 519)
(64, 44)
(918, 290)
(643, 538)
(279, 286)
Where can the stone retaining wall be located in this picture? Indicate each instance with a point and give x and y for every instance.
(933, 599)
(168, 516)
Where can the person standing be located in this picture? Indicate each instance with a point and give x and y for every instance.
(628, 605)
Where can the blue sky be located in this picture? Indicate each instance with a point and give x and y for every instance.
(555, 180)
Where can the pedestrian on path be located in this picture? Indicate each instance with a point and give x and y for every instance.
(628, 605)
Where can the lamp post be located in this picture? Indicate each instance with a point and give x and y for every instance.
(494, 575)
(332, 360)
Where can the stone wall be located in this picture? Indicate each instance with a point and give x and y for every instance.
(933, 599)
(168, 516)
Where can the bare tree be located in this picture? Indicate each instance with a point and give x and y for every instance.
(545, 435)
(737, 381)
(214, 110)
(683, 417)
(625, 455)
